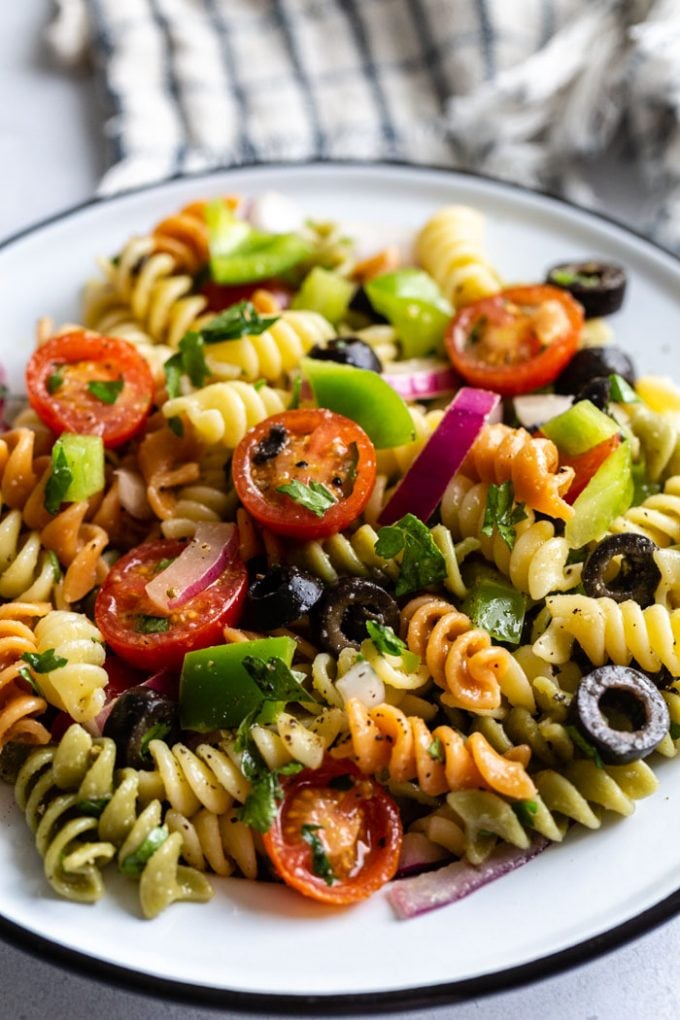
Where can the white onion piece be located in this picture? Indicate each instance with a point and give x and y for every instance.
(363, 683)
(535, 408)
(411, 897)
(421, 378)
(200, 563)
(423, 485)
(417, 853)
(274, 213)
(132, 494)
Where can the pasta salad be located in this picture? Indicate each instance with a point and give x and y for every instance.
(332, 569)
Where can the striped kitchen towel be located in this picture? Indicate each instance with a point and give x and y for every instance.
(527, 90)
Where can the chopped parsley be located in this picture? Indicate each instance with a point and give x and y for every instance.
(55, 381)
(145, 624)
(388, 643)
(314, 497)
(276, 681)
(106, 390)
(436, 750)
(176, 425)
(321, 866)
(422, 563)
(189, 360)
(500, 513)
(241, 319)
(584, 746)
(44, 662)
(158, 731)
(526, 811)
(134, 864)
(25, 674)
(93, 806)
(59, 480)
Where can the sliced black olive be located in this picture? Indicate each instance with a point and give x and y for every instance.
(638, 576)
(597, 391)
(361, 303)
(341, 616)
(271, 446)
(630, 695)
(281, 595)
(348, 350)
(138, 716)
(591, 362)
(598, 286)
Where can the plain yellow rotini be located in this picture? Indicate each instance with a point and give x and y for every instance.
(452, 249)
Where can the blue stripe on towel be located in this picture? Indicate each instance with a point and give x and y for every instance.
(368, 68)
(214, 12)
(171, 83)
(286, 24)
(486, 36)
(103, 41)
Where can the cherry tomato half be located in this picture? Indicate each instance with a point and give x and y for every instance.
(337, 835)
(587, 464)
(138, 632)
(90, 384)
(312, 450)
(515, 341)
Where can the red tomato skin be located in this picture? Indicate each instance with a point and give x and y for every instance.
(521, 376)
(83, 413)
(587, 464)
(221, 295)
(122, 596)
(382, 838)
(289, 518)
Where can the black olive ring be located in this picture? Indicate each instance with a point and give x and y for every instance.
(618, 747)
(638, 577)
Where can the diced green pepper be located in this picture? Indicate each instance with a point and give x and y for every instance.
(496, 606)
(608, 494)
(326, 293)
(412, 302)
(364, 397)
(580, 428)
(241, 254)
(215, 689)
(77, 470)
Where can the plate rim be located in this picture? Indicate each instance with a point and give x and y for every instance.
(154, 986)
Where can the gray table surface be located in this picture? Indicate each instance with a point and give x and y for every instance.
(51, 154)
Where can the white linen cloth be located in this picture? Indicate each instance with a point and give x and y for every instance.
(525, 90)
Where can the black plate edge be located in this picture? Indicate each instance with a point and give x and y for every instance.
(334, 1004)
(358, 164)
(370, 1002)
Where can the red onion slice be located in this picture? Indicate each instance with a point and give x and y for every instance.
(410, 897)
(421, 378)
(203, 560)
(418, 853)
(423, 485)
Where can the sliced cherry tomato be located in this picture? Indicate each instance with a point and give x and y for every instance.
(135, 629)
(223, 295)
(310, 450)
(61, 381)
(515, 341)
(587, 464)
(337, 835)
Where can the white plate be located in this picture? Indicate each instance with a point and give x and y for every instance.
(263, 941)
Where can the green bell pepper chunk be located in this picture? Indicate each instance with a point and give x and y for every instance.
(608, 494)
(215, 690)
(326, 293)
(580, 428)
(495, 605)
(241, 254)
(364, 397)
(412, 302)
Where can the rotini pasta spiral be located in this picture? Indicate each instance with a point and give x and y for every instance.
(607, 630)
(536, 564)
(224, 411)
(461, 660)
(451, 248)
(501, 454)
(657, 517)
(78, 686)
(269, 355)
(440, 760)
(19, 705)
